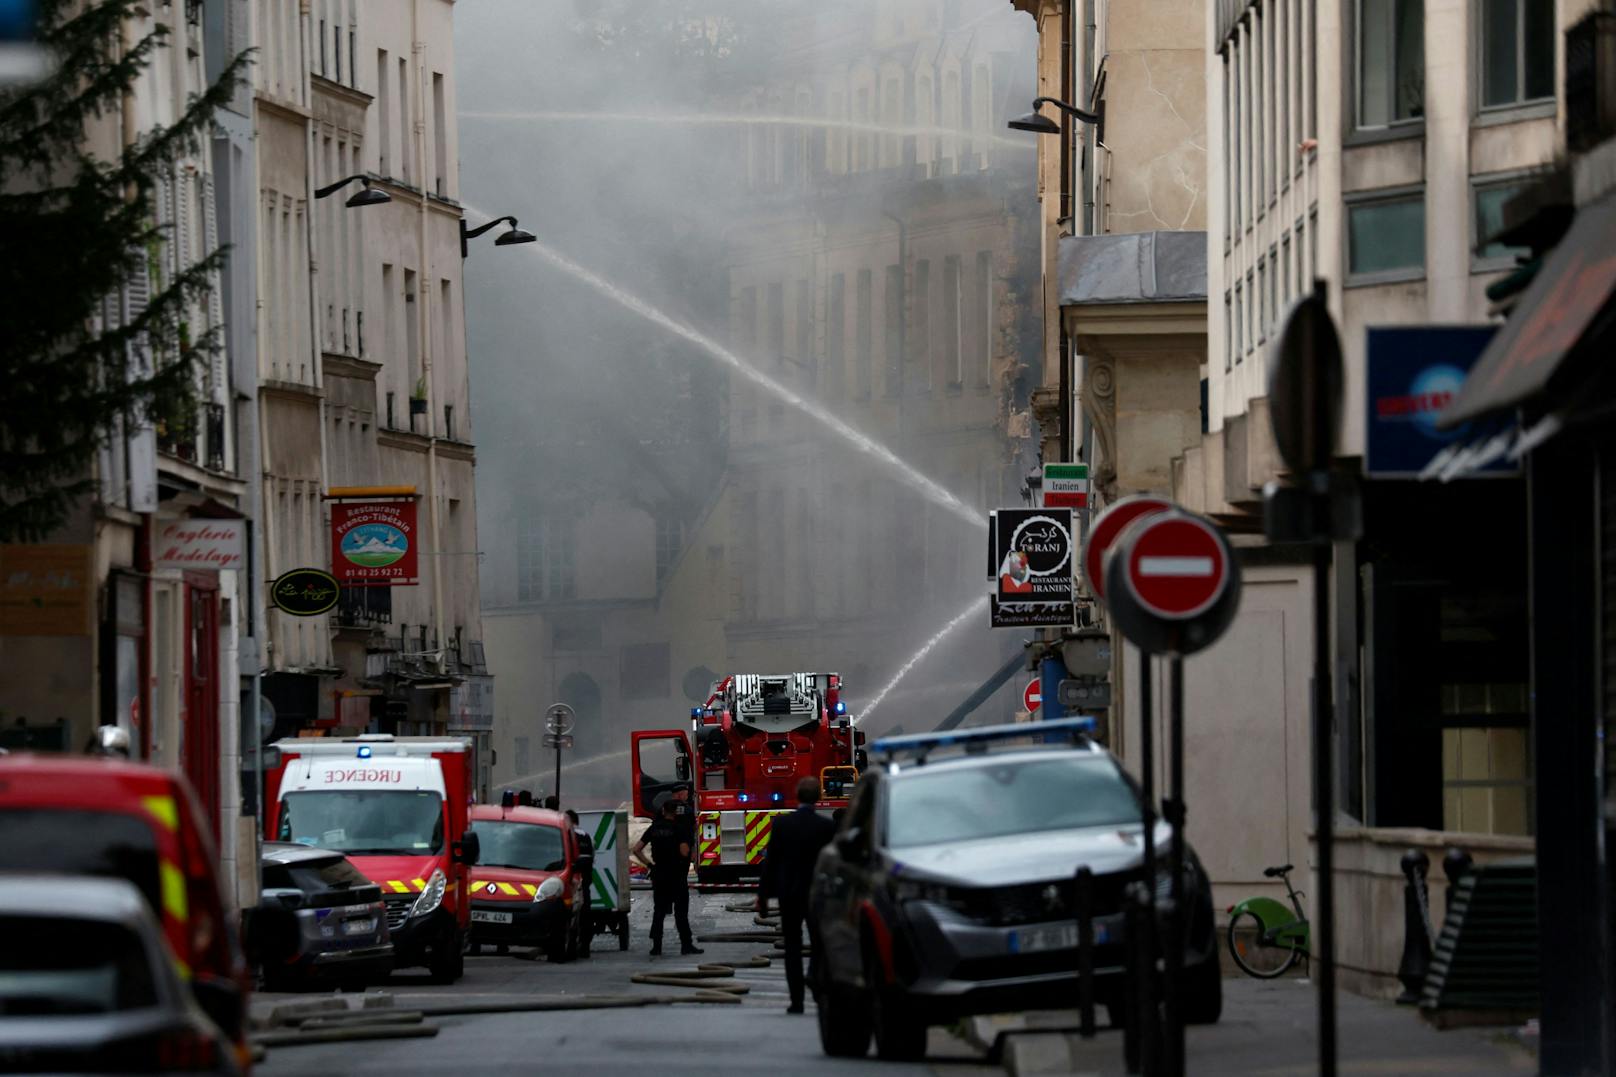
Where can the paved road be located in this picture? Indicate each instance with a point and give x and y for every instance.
(756, 1036)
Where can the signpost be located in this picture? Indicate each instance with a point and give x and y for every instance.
(1318, 507)
(1066, 486)
(558, 722)
(1173, 585)
(1033, 697)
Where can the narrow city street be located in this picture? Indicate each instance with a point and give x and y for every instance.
(756, 1036)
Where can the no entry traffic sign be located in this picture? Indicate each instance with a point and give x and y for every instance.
(1033, 697)
(1104, 531)
(1172, 582)
(1177, 566)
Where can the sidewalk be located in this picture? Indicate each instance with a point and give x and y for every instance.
(1268, 1027)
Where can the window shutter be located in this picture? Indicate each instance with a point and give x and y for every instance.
(210, 233)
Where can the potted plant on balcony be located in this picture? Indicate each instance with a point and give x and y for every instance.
(418, 397)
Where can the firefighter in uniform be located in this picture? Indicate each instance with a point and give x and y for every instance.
(670, 885)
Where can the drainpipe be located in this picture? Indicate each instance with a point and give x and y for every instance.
(1086, 154)
(424, 314)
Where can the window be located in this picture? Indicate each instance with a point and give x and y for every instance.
(1273, 286)
(951, 321)
(892, 300)
(406, 143)
(866, 331)
(777, 322)
(440, 136)
(983, 351)
(836, 336)
(921, 348)
(1489, 219)
(1228, 330)
(1259, 113)
(1516, 51)
(667, 542)
(529, 551)
(1239, 323)
(805, 327)
(1386, 237)
(448, 421)
(561, 580)
(390, 424)
(1391, 61)
(384, 116)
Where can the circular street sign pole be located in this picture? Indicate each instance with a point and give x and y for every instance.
(558, 721)
(1173, 584)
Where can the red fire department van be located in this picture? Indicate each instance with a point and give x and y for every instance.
(397, 808)
(530, 885)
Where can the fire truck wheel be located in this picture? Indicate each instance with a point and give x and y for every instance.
(844, 1023)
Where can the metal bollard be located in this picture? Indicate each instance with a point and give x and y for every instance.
(1456, 864)
(1143, 1053)
(1133, 914)
(1416, 927)
(1084, 902)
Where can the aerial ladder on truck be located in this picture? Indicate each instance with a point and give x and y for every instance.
(748, 745)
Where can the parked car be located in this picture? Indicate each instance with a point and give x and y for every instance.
(341, 935)
(88, 985)
(80, 815)
(949, 891)
(528, 886)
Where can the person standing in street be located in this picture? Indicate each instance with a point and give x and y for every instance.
(586, 854)
(670, 883)
(788, 872)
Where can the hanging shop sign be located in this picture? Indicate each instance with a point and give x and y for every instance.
(304, 592)
(373, 543)
(201, 545)
(1414, 373)
(46, 589)
(1066, 486)
(1033, 553)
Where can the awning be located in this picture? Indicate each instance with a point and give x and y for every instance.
(1570, 292)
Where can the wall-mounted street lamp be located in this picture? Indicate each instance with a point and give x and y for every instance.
(504, 239)
(1038, 123)
(369, 196)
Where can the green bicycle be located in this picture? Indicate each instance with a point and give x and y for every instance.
(1266, 938)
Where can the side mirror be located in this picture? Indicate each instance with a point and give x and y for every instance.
(681, 768)
(468, 849)
(221, 1000)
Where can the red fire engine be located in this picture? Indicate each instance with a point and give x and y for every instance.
(748, 746)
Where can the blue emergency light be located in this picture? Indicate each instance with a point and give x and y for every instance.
(364, 751)
(695, 712)
(775, 797)
(982, 736)
(744, 798)
(841, 708)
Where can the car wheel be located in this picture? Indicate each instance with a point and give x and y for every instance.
(900, 1031)
(1203, 992)
(586, 933)
(559, 950)
(844, 1022)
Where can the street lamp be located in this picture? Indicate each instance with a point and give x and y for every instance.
(369, 196)
(505, 239)
(1040, 124)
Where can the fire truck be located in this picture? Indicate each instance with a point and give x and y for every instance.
(747, 747)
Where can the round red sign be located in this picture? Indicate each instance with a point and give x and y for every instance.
(1033, 697)
(1104, 531)
(1178, 567)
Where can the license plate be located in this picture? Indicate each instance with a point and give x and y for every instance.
(1029, 940)
(358, 927)
(480, 916)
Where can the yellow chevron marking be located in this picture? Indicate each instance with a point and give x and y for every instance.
(163, 809)
(507, 888)
(530, 888)
(398, 887)
(171, 880)
(419, 884)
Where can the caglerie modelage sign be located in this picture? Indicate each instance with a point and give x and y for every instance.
(373, 543)
(201, 544)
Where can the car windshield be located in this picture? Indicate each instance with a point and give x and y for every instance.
(369, 822)
(55, 965)
(992, 800)
(518, 845)
(71, 842)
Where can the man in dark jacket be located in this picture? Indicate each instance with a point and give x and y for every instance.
(788, 871)
(670, 888)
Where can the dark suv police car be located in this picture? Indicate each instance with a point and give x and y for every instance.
(949, 889)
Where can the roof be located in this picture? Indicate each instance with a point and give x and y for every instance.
(1133, 267)
(957, 759)
(290, 852)
(85, 896)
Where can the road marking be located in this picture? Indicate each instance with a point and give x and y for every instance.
(1175, 566)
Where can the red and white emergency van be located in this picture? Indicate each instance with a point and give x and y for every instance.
(397, 808)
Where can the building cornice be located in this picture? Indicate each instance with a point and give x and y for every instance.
(286, 109)
(340, 91)
(291, 390)
(348, 366)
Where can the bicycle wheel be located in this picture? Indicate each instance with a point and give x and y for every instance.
(1264, 960)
